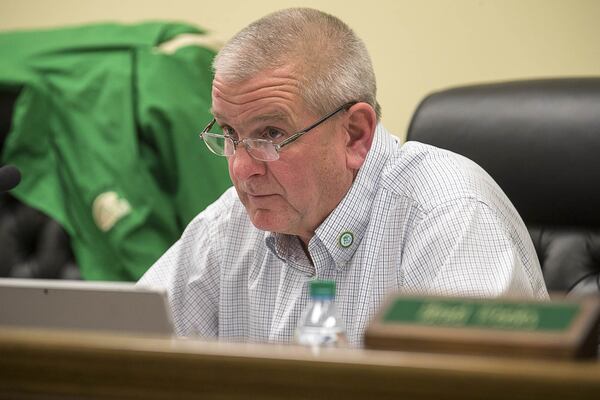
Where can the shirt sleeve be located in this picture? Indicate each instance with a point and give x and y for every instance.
(190, 273)
(463, 248)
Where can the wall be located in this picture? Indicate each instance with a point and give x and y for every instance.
(417, 46)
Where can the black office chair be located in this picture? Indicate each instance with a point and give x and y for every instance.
(540, 140)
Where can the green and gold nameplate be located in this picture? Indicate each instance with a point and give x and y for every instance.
(496, 315)
(554, 329)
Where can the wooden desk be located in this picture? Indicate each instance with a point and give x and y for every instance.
(56, 365)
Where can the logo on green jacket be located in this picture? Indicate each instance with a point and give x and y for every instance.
(108, 208)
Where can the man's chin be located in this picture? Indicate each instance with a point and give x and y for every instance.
(265, 226)
(266, 220)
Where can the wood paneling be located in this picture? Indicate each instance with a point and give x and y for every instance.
(65, 365)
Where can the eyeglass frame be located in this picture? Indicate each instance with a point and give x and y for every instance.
(277, 146)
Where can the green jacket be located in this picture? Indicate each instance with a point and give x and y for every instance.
(105, 133)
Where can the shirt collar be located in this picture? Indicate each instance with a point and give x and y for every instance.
(289, 250)
(342, 231)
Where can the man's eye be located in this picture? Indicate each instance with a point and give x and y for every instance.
(230, 132)
(273, 134)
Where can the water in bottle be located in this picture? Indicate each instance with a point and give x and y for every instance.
(320, 324)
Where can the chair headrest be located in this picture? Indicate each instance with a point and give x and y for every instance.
(540, 140)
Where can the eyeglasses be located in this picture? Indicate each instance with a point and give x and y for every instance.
(221, 143)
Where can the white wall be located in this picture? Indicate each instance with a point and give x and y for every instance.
(417, 46)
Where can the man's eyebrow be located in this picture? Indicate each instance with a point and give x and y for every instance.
(215, 114)
(275, 116)
(269, 117)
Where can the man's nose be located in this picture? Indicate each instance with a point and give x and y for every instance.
(243, 165)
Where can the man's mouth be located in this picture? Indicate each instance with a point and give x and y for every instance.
(259, 196)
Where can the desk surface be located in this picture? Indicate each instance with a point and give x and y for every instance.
(38, 364)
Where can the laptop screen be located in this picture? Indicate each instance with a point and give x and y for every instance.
(84, 305)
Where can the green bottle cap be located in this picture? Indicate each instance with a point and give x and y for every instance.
(322, 288)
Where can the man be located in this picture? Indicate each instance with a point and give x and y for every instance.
(322, 190)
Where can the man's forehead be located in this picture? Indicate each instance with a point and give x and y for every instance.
(272, 96)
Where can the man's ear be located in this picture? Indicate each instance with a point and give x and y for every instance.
(361, 123)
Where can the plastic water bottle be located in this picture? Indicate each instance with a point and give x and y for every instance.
(320, 324)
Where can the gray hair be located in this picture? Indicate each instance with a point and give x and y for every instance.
(333, 62)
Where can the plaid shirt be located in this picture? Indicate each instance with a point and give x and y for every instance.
(417, 219)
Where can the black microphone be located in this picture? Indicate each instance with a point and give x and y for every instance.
(10, 177)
